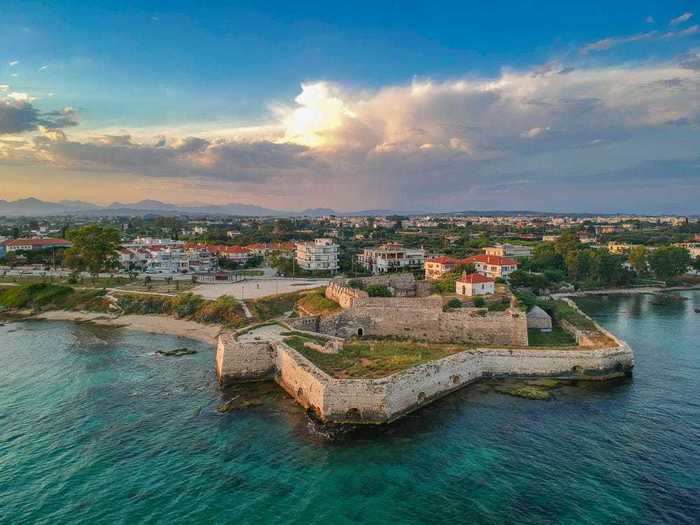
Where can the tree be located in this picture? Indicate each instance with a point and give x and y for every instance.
(696, 263)
(668, 262)
(94, 249)
(638, 259)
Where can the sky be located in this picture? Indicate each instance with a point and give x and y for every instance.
(437, 106)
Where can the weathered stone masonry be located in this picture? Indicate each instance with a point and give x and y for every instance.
(386, 399)
(423, 319)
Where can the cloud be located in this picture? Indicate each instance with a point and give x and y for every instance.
(681, 19)
(426, 141)
(649, 19)
(18, 115)
(13, 63)
(611, 42)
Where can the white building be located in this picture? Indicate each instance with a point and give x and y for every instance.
(508, 250)
(317, 255)
(391, 257)
(474, 284)
(493, 266)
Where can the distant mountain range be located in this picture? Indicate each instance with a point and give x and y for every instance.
(33, 207)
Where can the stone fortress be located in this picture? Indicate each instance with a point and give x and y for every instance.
(496, 345)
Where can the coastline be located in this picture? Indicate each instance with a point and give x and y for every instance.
(621, 291)
(156, 324)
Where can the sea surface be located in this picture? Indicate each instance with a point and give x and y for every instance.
(95, 428)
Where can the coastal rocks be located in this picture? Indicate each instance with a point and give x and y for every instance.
(537, 390)
(177, 352)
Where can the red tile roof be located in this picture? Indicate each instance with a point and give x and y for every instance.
(37, 242)
(474, 278)
(495, 260)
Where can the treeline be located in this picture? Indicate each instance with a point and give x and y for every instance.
(568, 260)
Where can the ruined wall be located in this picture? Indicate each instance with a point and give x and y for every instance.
(383, 400)
(309, 323)
(345, 296)
(403, 284)
(243, 361)
(423, 319)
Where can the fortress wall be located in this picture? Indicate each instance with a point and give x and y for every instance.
(404, 284)
(238, 361)
(302, 380)
(345, 296)
(418, 386)
(423, 319)
(602, 363)
(382, 400)
(309, 323)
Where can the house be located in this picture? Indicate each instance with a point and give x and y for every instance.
(538, 319)
(391, 257)
(237, 254)
(436, 267)
(508, 250)
(317, 255)
(493, 266)
(474, 284)
(35, 244)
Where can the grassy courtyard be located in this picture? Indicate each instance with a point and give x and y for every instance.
(557, 337)
(373, 359)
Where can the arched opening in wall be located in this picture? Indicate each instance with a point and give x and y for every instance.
(577, 370)
(421, 397)
(300, 392)
(353, 413)
(360, 332)
(455, 380)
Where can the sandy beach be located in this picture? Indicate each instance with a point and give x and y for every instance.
(157, 324)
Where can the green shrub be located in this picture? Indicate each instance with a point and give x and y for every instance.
(454, 303)
(378, 290)
(358, 284)
(186, 305)
(225, 310)
(479, 302)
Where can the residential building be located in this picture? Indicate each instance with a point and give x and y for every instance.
(508, 250)
(391, 257)
(436, 267)
(317, 255)
(692, 247)
(493, 266)
(35, 244)
(474, 284)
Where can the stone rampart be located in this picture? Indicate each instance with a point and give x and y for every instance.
(423, 319)
(363, 401)
(243, 361)
(345, 296)
(402, 284)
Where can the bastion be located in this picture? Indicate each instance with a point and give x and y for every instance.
(244, 357)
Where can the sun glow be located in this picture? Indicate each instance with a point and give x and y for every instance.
(319, 112)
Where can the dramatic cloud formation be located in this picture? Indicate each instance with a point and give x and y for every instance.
(449, 142)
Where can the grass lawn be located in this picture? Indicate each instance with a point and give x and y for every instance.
(316, 303)
(123, 283)
(557, 337)
(273, 306)
(373, 359)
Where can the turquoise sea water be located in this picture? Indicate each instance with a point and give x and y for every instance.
(94, 428)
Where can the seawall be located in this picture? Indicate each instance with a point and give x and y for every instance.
(374, 401)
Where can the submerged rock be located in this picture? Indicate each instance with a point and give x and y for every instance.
(238, 403)
(177, 352)
(526, 392)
